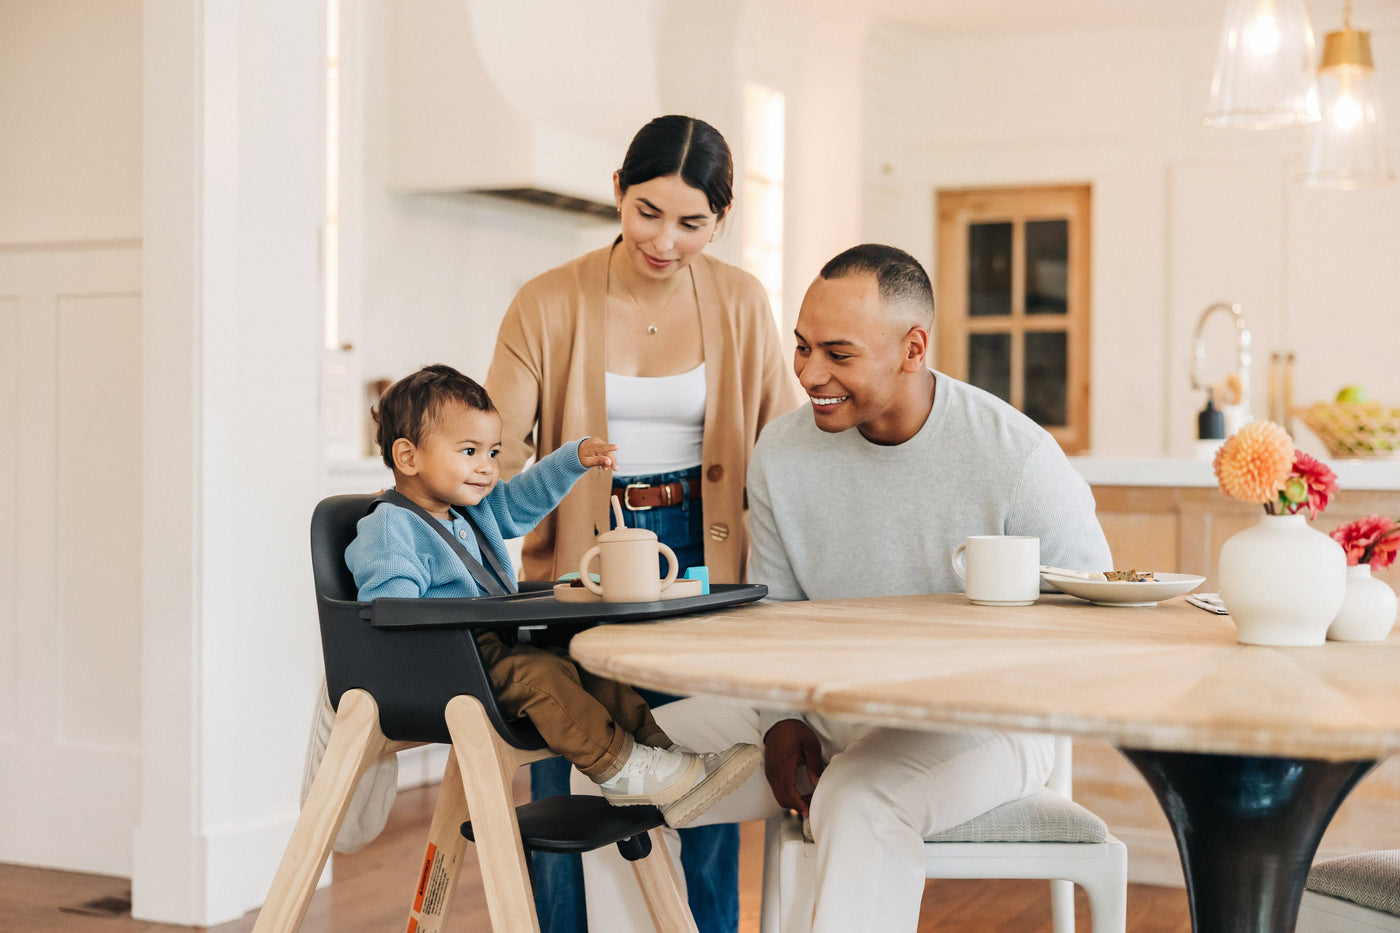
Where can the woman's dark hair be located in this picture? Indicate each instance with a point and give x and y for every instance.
(409, 407)
(684, 146)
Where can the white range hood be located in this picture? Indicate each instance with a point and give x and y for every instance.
(526, 99)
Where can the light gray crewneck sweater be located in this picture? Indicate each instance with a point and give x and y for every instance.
(834, 516)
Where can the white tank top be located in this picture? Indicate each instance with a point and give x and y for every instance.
(656, 421)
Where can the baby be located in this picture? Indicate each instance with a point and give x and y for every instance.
(440, 434)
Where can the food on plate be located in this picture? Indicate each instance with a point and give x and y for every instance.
(1130, 576)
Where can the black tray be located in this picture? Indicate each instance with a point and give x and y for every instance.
(539, 607)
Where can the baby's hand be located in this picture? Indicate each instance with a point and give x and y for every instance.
(595, 453)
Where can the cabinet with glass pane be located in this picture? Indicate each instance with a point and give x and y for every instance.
(1013, 300)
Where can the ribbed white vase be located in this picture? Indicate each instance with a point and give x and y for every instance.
(1283, 581)
(1368, 612)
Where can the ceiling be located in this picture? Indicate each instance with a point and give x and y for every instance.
(991, 17)
(1006, 17)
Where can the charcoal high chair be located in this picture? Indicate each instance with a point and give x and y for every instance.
(404, 672)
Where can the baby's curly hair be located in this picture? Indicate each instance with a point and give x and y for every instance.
(409, 407)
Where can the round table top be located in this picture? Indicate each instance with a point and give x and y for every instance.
(1169, 677)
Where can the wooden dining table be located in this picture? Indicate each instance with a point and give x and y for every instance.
(1248, 749)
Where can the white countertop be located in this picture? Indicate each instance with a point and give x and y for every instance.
(1127, 471)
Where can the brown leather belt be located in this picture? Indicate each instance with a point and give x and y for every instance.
(638, 497)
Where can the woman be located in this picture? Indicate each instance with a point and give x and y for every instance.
(674, 356)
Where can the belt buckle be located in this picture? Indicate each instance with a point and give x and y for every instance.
(627, 498)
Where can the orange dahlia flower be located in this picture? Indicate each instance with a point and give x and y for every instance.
(1254, 463)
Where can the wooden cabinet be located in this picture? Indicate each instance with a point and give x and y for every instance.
(1181, 529)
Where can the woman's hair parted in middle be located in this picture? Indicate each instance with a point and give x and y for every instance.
(685, 146)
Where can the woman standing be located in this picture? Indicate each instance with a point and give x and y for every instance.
(674, 356)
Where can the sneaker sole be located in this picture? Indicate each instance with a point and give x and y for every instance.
(732, 772)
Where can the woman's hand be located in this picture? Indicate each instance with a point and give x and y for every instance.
(595, 453)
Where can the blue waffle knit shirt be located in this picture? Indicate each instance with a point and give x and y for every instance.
(395, 553)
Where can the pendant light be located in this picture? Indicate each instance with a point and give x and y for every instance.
(1347, 149)
(1265, 71)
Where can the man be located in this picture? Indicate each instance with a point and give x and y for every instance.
(865, 492)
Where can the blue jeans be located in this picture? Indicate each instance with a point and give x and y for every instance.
(709, 854)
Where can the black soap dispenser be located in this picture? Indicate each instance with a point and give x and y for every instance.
(1210, 423)
(1210, 430)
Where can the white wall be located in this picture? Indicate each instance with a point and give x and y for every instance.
(1183, 215)
(232, 208)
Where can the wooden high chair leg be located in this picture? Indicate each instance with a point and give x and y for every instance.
(488, 766)
(661, 888)
(355, 743)
(442, 861)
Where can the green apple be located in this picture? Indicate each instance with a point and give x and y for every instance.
(1353, 394)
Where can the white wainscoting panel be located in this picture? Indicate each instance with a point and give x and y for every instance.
(70, 627)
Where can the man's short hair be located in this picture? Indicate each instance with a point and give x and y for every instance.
(899, 277)
(410, 406)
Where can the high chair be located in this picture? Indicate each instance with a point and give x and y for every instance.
(404, 672)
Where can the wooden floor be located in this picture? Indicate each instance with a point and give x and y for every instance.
(371, 892)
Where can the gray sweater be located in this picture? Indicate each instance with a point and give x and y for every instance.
(835, 516)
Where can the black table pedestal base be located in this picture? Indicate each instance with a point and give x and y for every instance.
(1247, 829)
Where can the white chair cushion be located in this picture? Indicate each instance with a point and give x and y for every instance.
(1371, 879)
(1044, 816)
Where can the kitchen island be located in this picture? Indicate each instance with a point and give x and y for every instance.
(1168, 514)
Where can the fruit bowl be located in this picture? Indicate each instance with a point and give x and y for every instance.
(1354, 429)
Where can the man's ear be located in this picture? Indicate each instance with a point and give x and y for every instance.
(915, 350)
(405, 457)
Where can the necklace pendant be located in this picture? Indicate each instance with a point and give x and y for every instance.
(651, 329)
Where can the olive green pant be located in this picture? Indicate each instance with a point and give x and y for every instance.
(589, 720)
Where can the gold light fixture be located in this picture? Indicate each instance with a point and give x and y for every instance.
(1265, 74)
(1347, 149)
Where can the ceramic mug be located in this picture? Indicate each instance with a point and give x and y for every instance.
(628, 572)
(999, 570)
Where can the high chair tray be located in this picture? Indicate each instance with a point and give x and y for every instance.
(539, 607)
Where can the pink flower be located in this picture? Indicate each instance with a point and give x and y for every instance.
(1371, 540)
(1319, 484)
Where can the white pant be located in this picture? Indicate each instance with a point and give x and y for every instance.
(882, 792)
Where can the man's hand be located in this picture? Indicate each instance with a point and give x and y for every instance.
(595, 453)
(787, 748)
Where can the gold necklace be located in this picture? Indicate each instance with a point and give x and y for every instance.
(666, 306)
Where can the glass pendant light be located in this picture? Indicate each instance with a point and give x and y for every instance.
(1347, 149)
(1265, 71)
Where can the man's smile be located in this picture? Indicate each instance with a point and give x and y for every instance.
(827, 400)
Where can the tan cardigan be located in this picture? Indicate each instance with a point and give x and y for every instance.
(547, 379)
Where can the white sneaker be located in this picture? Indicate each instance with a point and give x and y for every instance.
(683, 784)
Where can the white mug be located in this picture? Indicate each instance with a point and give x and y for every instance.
(999, 570)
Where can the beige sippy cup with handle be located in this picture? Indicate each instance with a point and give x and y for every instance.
(628, 564)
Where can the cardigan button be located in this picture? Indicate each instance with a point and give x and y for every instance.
(719, 531)
(715, 473)
(462, 534)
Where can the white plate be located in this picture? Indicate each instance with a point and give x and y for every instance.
(1124, 592)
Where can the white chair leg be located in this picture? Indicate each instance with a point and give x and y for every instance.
(1062, 906)
(1108, 893)
(789, 878)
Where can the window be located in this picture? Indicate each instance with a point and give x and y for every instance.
(1013, 300)
(762, 207)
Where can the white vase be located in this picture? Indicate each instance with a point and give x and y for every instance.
(1368, 612)
(1283, 581)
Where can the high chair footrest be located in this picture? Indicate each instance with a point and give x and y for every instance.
(576, 823)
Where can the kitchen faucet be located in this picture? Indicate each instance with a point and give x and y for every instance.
(1242, 359)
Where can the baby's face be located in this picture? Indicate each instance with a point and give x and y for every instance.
(457, 458)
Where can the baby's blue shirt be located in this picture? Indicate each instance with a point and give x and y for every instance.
(396, 553)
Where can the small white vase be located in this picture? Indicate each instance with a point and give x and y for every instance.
(1368, 612)
(1283, 581)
